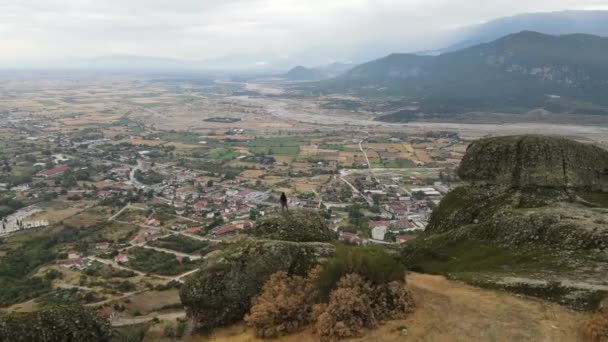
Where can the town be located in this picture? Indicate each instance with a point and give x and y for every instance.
(140, 208)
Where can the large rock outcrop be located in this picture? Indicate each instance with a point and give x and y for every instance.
(222, 291)
(294, 225)
(533, 220)
(535, 160)
(527, 189)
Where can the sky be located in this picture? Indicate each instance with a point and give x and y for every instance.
(257, 31)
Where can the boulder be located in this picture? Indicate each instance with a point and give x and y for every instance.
(222, 291)
(294, 225)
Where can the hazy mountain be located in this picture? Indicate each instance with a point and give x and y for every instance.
(554, 23)
(517, 72)
(301, 73)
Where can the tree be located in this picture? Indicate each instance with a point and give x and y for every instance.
(345, 192)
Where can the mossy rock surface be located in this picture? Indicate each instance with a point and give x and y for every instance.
(294, 225)
(535, 160)
(222, 291)
(60, 323)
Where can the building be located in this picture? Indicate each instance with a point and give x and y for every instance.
(121, 258)
(106, 313)
(224, 230)
(153, 222)
(378, 224)
(405, 238)
(54, 172)
(73, 255)
(351, 238)
(379, 232)
(102, 245)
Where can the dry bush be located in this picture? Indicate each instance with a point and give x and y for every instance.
(349, 310)
(359, 299)
(356, 304)
(595, 329)
(284, 306)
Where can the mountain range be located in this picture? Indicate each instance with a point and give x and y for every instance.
(518, 72)
(553, 23)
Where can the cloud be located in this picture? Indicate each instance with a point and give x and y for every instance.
(313, 30)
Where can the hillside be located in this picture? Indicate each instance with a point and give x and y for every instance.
(452, 311)
(516, 73)
(533, 223)
(301, 73)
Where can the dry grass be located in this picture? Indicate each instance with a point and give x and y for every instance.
(84, 218)
(151, 301)
(451, 311)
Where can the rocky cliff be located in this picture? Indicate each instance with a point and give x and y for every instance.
(528, 189)
(533, 219)
(533, 161)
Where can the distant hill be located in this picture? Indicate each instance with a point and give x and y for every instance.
(554, 23)
(301, 73)
(518, 72)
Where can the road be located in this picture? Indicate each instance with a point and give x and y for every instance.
(369, 201)
(111, 218)
(132, 177)
(137, 320)
(176, 253)
(364, 152)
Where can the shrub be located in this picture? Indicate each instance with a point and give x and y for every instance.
(55, 323)
(357, 304)
(373, 264)
(595, 329)
(349, 310)
(284, 306)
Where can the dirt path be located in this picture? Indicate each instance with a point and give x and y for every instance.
(452, 311)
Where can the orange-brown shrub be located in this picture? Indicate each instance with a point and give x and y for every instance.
(356, 304)
(349, 310)
(284, 306)
(595, 329)
(360, 298)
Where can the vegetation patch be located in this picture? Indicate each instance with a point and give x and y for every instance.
(184, 244)
(151, 261)
(55, 323)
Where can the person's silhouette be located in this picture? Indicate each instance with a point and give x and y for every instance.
(283, 201)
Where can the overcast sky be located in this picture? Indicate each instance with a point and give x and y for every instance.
(35, 30)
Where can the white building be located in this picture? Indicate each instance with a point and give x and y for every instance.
(378, 233)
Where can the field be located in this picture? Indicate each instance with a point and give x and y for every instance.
(151, 301)
(276, 146)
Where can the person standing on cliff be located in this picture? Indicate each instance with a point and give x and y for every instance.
(283, 202)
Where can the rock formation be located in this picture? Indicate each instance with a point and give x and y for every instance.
(533, 161)
(222, 291)
(294, 225)
(526, 189)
